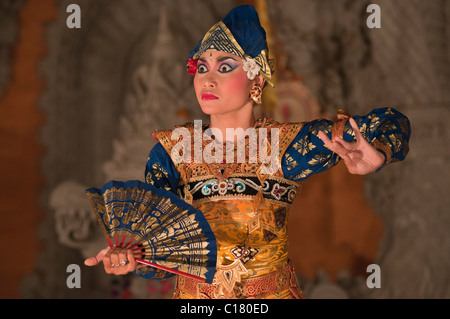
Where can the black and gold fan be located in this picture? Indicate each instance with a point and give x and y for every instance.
(163, 231)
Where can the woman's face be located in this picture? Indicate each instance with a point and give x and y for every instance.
(221, 84)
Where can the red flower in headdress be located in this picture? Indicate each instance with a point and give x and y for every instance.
(192, 66)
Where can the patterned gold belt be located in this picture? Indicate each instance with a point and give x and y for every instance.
(258, 287)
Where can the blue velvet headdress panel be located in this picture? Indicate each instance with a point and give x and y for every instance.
(240, 33)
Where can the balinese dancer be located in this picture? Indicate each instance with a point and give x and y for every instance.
(245, 183)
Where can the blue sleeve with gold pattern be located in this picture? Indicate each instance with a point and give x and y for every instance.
(386, 129)
(160, 170)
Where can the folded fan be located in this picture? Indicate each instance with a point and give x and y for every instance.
(162, 230)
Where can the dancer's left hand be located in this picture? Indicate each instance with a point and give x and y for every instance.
(359, 156)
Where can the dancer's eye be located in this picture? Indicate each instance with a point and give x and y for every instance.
(225, 68)
(202, 68)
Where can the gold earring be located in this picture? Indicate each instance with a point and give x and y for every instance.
(256, 94)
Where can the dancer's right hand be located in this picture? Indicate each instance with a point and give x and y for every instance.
(116, 261)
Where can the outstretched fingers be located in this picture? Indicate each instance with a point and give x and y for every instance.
(354, 125)
(359, 156)
(337, 146)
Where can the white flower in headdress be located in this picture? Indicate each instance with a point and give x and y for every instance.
(251, 67)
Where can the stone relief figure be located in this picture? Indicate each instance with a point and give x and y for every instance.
(74, 222)
(157, 98)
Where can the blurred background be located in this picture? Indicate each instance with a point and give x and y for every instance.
(78, 106)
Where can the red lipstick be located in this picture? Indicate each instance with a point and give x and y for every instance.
(209, 97)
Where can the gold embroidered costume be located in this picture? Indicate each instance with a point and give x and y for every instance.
(248, 210)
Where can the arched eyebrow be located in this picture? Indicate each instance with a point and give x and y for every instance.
(220, 59)
(223, 58)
